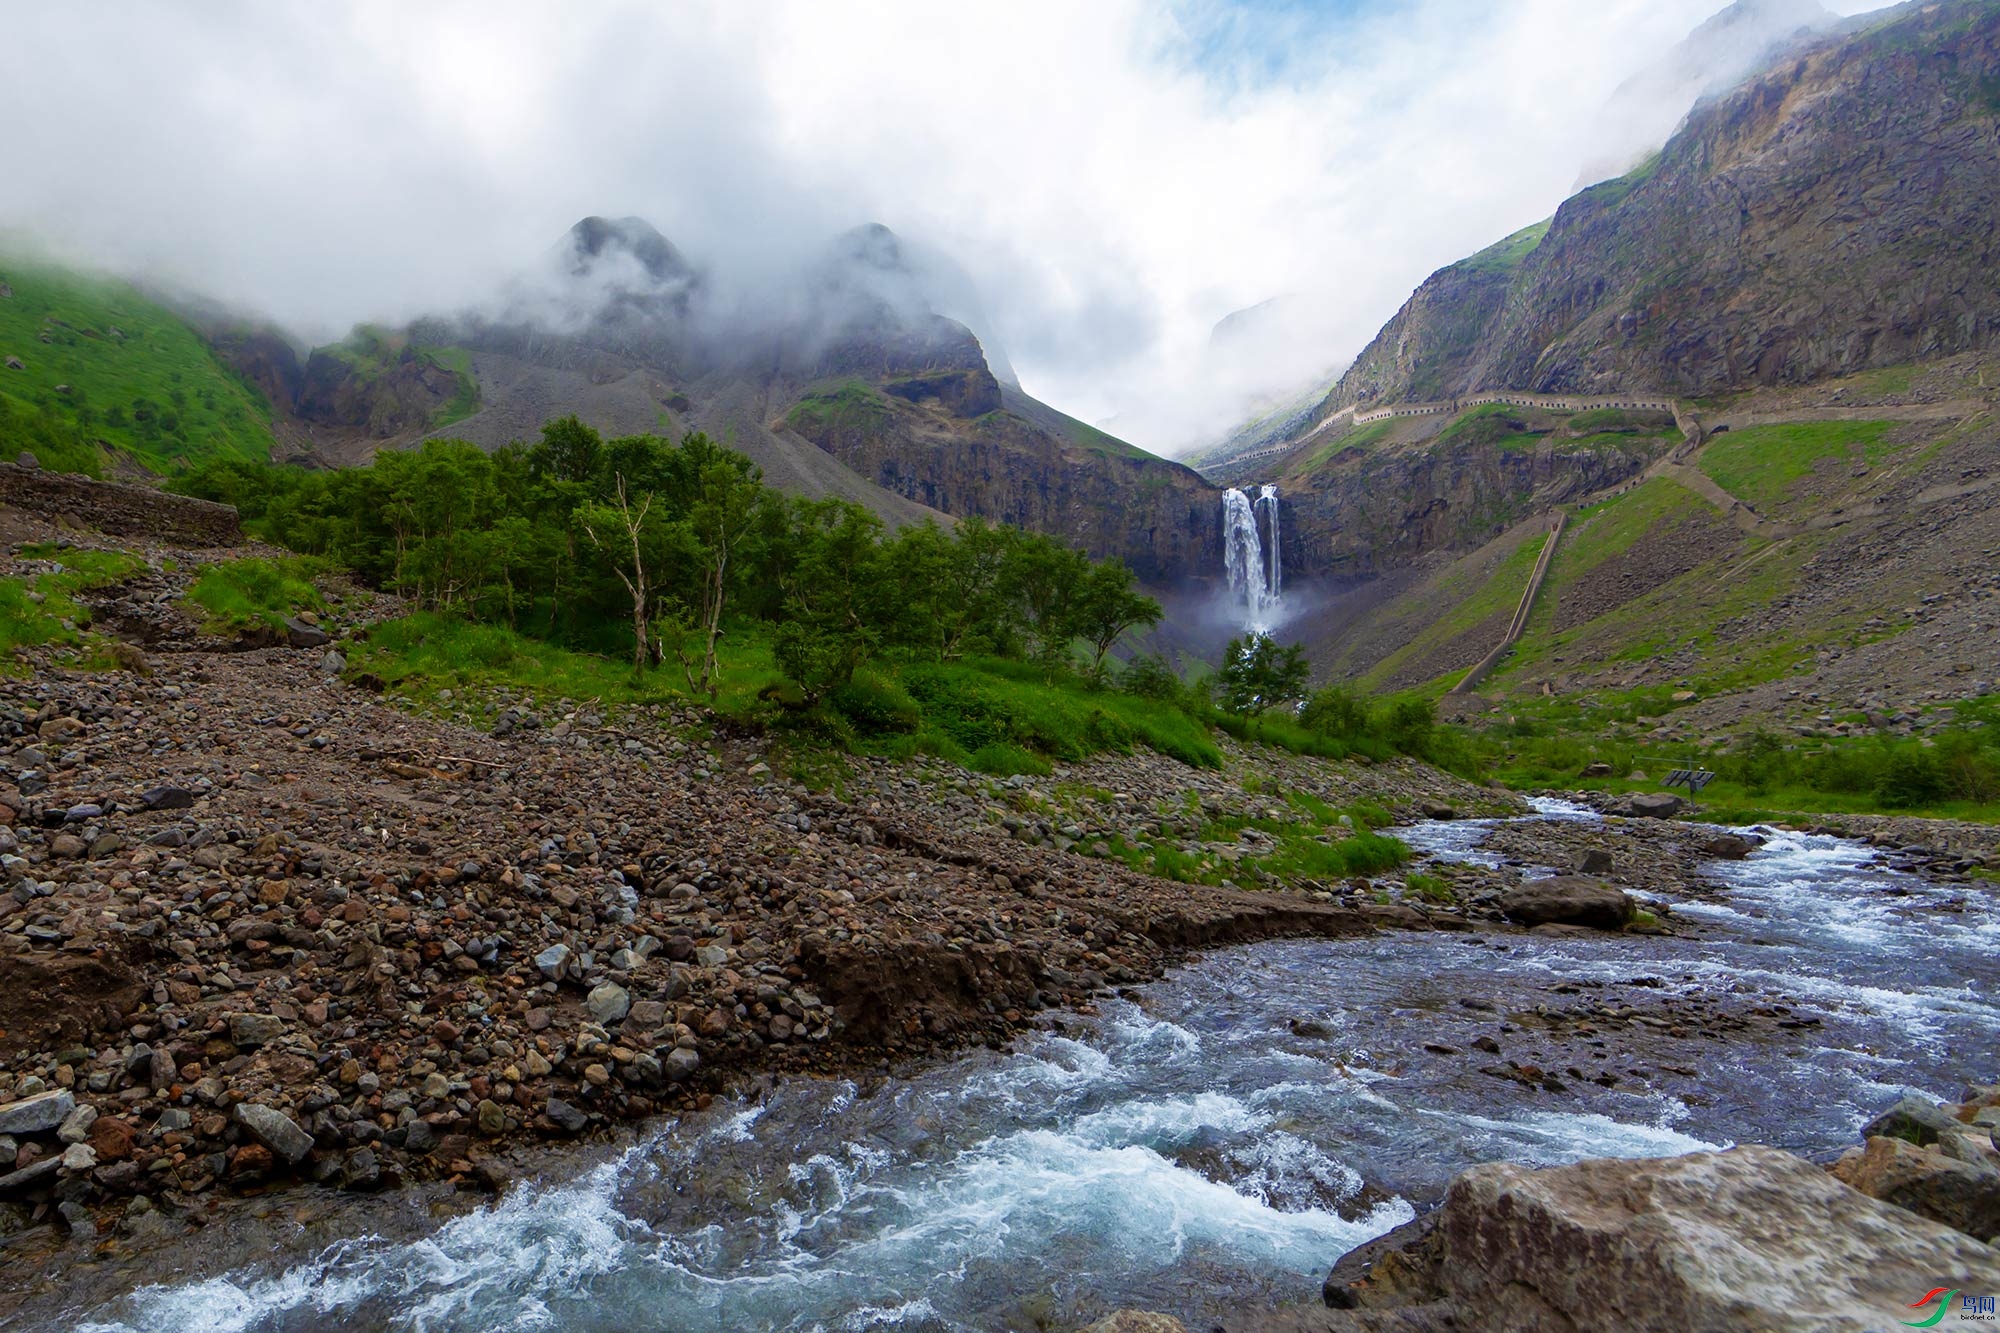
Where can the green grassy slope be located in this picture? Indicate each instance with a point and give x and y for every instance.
(138, 378)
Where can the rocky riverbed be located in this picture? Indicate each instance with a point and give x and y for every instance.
(281, 957)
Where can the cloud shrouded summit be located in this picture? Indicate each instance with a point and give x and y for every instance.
(1099, 185)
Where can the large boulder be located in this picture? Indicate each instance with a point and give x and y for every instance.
(1729, 846)
(1570, 900)
(1655, 804)
(1749, 1238)
(1962, 1195)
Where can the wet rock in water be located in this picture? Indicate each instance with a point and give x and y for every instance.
(1729, 846)
(1913, 1119)
(1137, 1321)
(1572, 900)
(1752, 1237)
(1963, 1195)
(1655, 804)
(275, 1130)
(38, 1114)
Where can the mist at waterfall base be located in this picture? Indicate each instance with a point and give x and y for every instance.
(1253, 558)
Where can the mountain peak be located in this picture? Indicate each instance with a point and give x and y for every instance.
(594, 238)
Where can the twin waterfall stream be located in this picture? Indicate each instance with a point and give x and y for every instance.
(1251, 556)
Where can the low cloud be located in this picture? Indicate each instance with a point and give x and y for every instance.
(1114, 178)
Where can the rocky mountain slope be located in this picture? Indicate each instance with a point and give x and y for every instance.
(1832, 214)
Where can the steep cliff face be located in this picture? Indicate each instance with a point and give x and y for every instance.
(1833, 214)
(1018, 462)
(407, 393)
(1367, 511)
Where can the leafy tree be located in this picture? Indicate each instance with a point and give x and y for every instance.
(1257, 674)
(726, 494)
(629, 523)
(834, 595)
(1043, 579)
(570, 450)
(1107, 607)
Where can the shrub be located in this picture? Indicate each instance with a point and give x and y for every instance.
(1910, 776)
(1004, 761)
(1335, 711)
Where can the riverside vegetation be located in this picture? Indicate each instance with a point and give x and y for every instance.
(549, 564)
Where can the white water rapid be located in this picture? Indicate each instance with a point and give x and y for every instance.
(1256, 573)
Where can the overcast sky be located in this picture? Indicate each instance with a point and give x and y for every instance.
(1116, 175)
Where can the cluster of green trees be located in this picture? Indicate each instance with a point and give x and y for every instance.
(1958, 764)
(652, 546)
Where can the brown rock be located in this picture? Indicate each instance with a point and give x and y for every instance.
(1963, 1195)
(1576, 900)
(1750, 1238)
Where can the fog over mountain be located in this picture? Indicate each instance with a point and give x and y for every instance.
(1089, 189)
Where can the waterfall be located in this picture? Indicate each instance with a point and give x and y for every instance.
(1267, 498)
(1255, 579)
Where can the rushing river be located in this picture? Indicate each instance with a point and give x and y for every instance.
(1214, 1145)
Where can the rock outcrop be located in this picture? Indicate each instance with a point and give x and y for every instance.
(1749, 1238)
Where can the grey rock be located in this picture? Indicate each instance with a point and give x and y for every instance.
(76, 1125)
(250, 1031)
(712, 955)
(275, 1130)
(681, 1063)
(38, 1114)
(28, 1177)
(172, 1120)
(608, 1003)
(301, 635)
(167, 798)
(1655, 804)
(1914, 1119)
(552, 961)
(569, 1117)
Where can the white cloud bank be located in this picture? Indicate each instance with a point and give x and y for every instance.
(1102, 169)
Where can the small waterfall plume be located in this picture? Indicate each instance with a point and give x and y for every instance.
(1255, 573)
